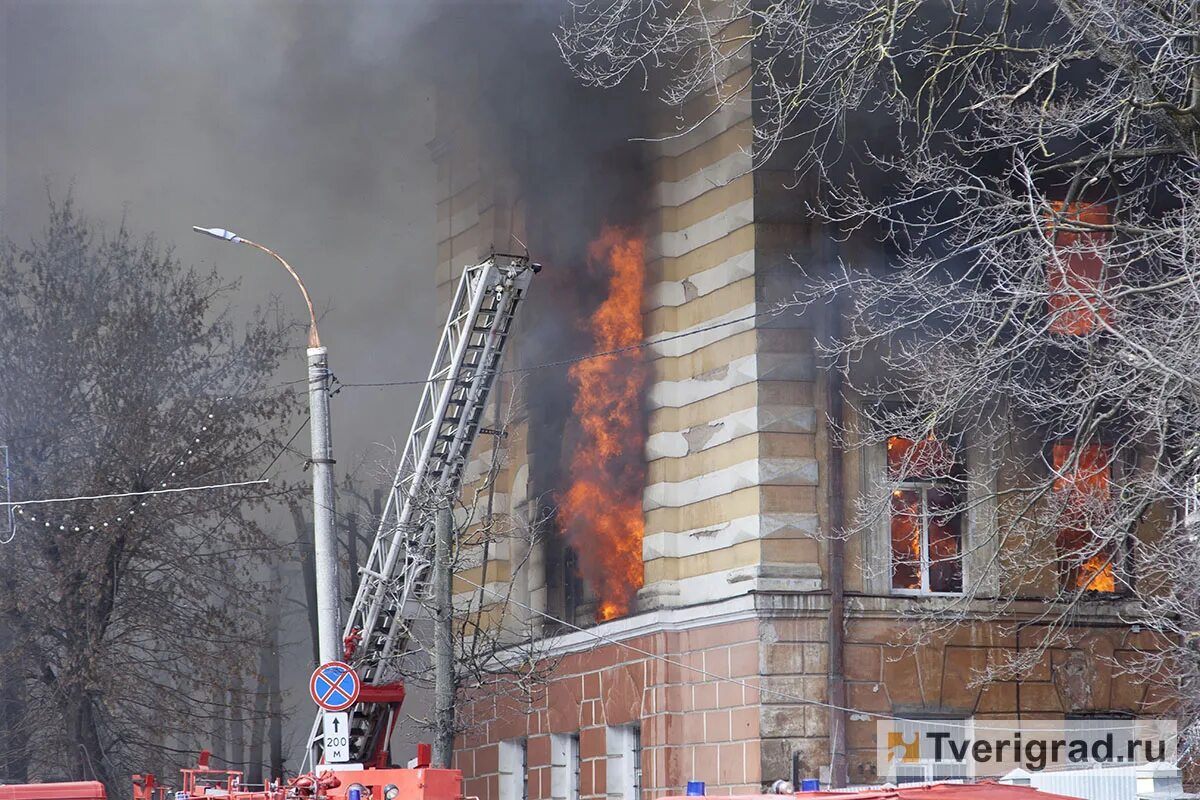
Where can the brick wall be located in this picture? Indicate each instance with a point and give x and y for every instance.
(699, 715)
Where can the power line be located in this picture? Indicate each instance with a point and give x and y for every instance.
(177, 489)
(778, 309)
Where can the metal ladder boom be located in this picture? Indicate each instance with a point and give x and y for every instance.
(468, 357)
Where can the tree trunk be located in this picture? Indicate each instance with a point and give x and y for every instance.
(88, 756)
(258, 723)
(274, 690)
(237, 729)
(219, 746)
(13, 760)
(309, 575)
(443, 643)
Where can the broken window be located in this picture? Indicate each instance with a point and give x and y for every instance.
(1083, 484)
(926, 516)
(1075, 272)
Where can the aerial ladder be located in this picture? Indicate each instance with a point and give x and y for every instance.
(394, 578)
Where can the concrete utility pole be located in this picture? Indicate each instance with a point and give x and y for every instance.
(329, 612)
(443, 642)
(329, 616)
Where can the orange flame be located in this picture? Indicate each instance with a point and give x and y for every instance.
(1096, 575)
(601, 512)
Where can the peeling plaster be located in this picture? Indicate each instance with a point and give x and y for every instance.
(700, 435)
(717, 374)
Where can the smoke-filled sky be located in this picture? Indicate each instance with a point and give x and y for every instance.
(298, 125)
(304, 126)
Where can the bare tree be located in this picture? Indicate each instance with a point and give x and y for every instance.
(128, 620)
(1012, 189)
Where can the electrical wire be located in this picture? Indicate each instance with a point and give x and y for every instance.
(43, 501)
(775, 311)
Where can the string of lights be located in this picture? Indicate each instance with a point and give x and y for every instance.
(195, 441)
(136, 493)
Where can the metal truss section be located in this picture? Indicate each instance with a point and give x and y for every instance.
(394, 577)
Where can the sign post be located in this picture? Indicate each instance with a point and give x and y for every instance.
(334, 687)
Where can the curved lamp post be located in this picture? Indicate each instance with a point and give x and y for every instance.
(324, 534)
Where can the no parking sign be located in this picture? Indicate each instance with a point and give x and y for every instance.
(334, 686)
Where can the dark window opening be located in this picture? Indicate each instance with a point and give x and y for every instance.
(565, 594)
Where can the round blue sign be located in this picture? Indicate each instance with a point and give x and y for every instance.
(334, 686)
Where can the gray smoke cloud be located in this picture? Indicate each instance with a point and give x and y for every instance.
(304, 125)
(273, 119)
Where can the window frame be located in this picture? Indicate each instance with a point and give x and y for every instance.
(565, 766)
(979, 541)
(955, 446)
(923, 487)
(513, 766)
(623, 762)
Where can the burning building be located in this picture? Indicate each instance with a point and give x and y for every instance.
(662, 439)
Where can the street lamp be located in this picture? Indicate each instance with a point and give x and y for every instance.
(324, 534)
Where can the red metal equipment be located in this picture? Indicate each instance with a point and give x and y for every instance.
(75, 790)
(203, 782)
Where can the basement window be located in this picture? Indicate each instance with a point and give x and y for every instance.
(623, 766)
(1075, 273)
(564, 766)
(911, 756)
(514, 769)
(925, 524)
(1083, 486)
(1099, 728)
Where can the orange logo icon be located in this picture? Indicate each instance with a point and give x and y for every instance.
(905, 747)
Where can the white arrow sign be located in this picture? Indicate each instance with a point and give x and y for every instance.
(337, 737)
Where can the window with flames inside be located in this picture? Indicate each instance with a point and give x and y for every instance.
(1083, 485)
(925, 524)
(1075, 273)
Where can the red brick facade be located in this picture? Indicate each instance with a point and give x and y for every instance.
(694, 725)
(739, 704)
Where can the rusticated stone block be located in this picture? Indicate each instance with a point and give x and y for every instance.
(778, 721)
(864, 662)
(622, 696)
